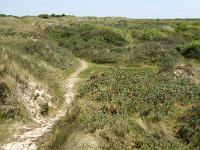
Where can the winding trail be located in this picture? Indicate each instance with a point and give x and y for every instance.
(25, 141)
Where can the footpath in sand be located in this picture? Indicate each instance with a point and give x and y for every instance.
(25, 140)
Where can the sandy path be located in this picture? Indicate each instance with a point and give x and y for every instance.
(25, 141)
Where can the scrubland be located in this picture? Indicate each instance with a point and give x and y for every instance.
(140, 91)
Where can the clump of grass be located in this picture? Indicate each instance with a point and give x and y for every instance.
(44, 109)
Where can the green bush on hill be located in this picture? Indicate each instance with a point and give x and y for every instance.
(92, 42)
(57, 16)
(148, 34)
(191, 50)
(44, 16)
(106, 34)
(3, 15)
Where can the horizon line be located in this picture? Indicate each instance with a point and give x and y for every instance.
(152, 18)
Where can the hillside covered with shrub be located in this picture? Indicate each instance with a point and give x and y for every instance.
(141, 90)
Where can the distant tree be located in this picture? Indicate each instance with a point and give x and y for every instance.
(53, 15)
(57, 16)
(2, 15)
(44, 16)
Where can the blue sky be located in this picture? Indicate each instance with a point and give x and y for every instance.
(123, 8)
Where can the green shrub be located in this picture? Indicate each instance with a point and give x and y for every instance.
(182, 26)
(151, 52)
(92, 42)
(191, 50)
(3, 15)
(190, 130)
(8, 32)
(44, 16)
(114, 36)
(169, 61)
(147, 34)
(154, 142)
(106, 34)
(105, 57)
(57, 16)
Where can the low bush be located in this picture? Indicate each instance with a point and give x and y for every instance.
(147, 34)
(191, 50)
(44, 16)
(150, 52)
(190, 128)
(169, 62)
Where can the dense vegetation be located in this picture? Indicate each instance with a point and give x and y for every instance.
(137, 108)
(190, 50)
(121, 94)
(127, 41)
(141, 91)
